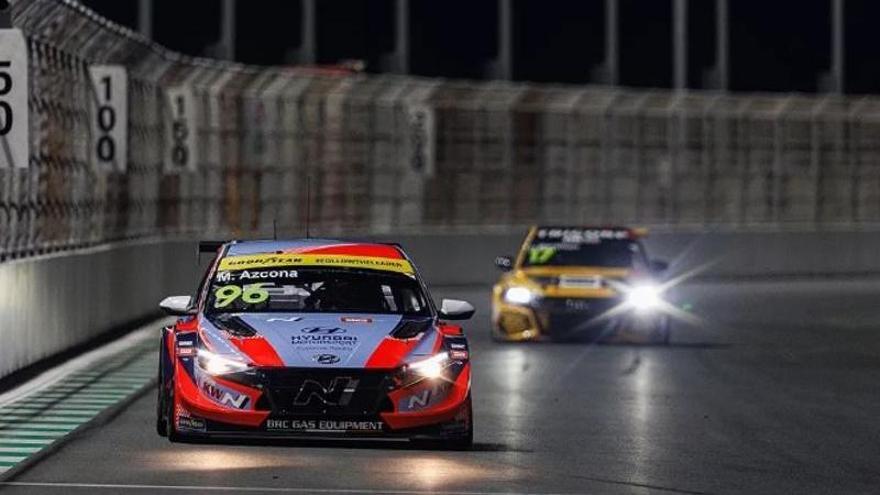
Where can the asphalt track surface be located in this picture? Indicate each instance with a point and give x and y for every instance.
(775, 391)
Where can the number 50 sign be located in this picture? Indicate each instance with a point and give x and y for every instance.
(14, 145)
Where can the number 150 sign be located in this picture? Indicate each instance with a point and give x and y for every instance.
(180, 130)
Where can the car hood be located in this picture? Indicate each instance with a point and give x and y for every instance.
(551, 271)
(325, 340)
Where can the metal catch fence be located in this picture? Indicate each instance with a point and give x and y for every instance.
(217, 149)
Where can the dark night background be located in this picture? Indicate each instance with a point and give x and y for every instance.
(775, 45)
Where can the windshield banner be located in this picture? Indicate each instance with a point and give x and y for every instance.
(252, 261)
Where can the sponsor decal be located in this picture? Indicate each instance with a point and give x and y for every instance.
(322, 425)
(580, 282)
(186, 346)
(338, 393)
(228, 276)
(290, 319)
(424, 398)
(582, 236)
(191, 424)
(224, 396)
(259, 261)
(458, 355)
(419, 401)
(326, 358)
(323, 330)
(350, 319)
(186, 351)
(342, 341)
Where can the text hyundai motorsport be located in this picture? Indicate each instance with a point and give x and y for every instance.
(314, 338)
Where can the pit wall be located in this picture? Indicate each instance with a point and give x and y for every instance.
(52, 304)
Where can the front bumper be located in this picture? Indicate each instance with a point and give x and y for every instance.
(555, 317)
(280, 403)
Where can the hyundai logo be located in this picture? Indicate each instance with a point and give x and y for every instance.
(323, 330)
(327, 358)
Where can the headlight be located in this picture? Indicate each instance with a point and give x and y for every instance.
(431, 367)
(644, 298)
(216, 364)
(518, 295)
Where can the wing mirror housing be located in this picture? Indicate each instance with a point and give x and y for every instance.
(504, 263)
(177, 305)
(453, 309)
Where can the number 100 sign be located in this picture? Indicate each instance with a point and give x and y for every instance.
(109, 117)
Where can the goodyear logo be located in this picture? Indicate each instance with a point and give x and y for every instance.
(254, 261)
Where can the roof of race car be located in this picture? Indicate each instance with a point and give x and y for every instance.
(317, 246)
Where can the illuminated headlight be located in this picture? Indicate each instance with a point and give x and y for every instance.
(518, 295)
(644, 298)
(216, 364)
(431, 367)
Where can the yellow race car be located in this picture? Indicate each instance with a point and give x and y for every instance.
(580, 283)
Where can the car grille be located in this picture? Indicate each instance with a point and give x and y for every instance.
(325, 392)
(561, 316)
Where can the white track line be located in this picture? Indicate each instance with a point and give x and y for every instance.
(251, 489)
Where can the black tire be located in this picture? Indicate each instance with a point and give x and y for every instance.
(170, 426)
(161, 421)
(461, 441)
(465, 441)
(161, 424)
(664, 331)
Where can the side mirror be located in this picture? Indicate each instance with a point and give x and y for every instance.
(659, 266)
(453, 309)
(504, 263)
(177, 305)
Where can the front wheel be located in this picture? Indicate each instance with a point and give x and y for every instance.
(161, 421)
(170, 423)
(463, 440)
(663, 332)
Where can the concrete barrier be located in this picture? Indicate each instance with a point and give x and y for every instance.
(467, 259)
(51, 304)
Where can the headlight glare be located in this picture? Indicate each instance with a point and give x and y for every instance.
(215, 364)
(644, 298)
(431, 367)
(518, 295)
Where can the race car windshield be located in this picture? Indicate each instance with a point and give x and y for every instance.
(606, 253)
(295, 289)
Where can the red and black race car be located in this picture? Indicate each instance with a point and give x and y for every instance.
(314, 338)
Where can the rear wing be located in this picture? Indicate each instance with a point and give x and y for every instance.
(606, 230)
(210, 246)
